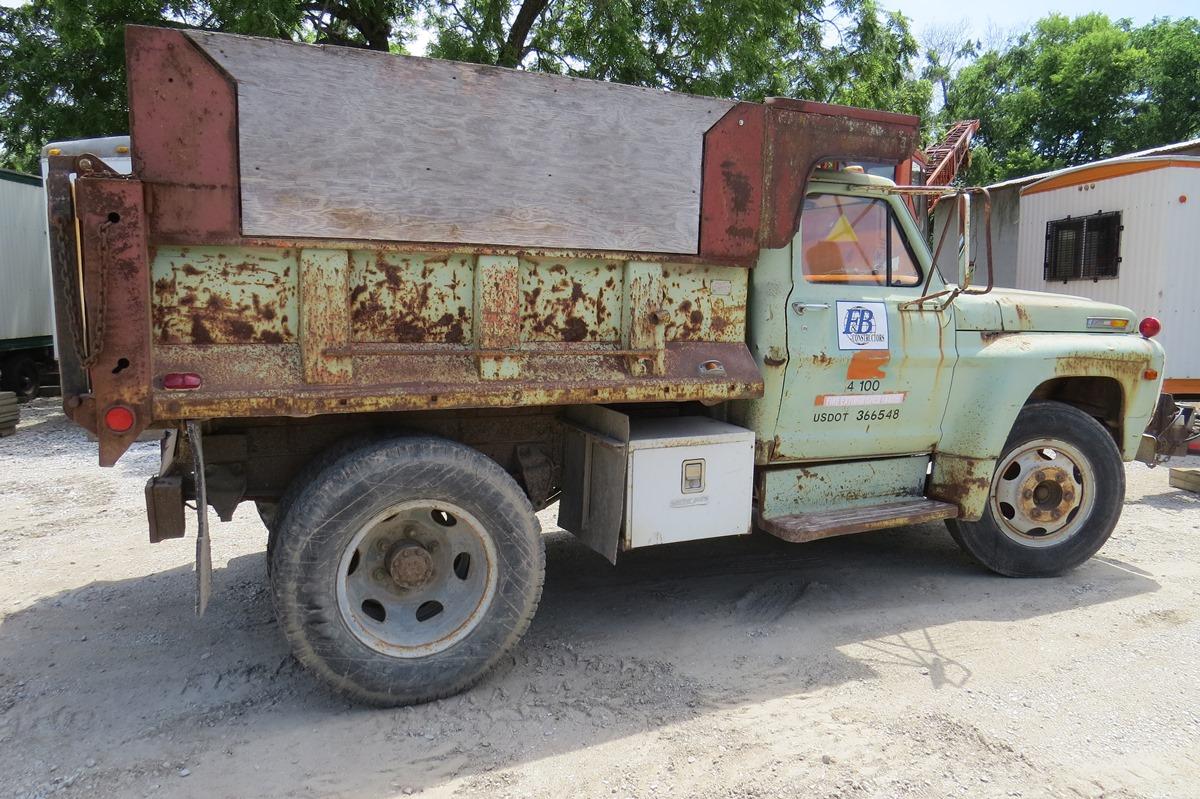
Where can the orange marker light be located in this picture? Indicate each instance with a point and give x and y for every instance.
(1150, 374)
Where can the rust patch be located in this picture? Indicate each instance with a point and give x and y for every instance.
(205, 295)
(575, 302)
(410, 299)
(737, 184)
(988, 336)
(697, 311)
(821, 359)
(963, 481)
(1124, 367)
(956, 490)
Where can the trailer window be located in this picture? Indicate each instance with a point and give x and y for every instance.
(1083, 247)
(854, 240)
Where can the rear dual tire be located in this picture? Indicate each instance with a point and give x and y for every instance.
(404, 570)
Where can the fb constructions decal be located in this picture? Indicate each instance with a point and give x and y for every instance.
(862, 325)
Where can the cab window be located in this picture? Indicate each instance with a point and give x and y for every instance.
(854, 240)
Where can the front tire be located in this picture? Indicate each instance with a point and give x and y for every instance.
(405, 569)
(1055, 497)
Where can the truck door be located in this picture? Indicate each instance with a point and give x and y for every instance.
(864, 378)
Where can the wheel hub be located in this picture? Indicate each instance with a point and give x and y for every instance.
(410, 566)
(1041, 492)
(416, 578)
(1048, 495)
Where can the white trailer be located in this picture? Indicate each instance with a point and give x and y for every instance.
(26, 323)
(1125, 232)
(27, 346)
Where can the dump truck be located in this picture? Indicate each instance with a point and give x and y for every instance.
(403, 304)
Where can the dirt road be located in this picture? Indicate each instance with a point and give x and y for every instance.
(878, 665)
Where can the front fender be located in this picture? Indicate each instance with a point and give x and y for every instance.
(997, 373)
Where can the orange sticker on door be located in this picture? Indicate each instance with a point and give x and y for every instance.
(868, 365)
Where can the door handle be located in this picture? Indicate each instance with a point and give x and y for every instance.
(801, 307)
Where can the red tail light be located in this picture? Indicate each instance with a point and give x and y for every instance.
(1149, 327)
(181, 381)
(119, 419)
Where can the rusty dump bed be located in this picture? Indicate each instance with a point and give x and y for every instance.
(312, 230)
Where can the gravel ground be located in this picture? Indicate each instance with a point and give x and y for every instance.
(881, 665)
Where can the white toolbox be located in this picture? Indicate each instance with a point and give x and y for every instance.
(631, 482)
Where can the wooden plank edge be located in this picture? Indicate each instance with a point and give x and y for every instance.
(926, 510)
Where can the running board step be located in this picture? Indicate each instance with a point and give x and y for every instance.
(811, 526)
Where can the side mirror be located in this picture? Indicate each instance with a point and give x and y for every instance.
(966, 269)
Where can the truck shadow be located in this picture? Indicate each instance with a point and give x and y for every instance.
(123, 673)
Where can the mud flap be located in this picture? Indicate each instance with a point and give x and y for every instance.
(203, 543)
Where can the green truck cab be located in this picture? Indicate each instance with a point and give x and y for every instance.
(857, 364)
(679, 318)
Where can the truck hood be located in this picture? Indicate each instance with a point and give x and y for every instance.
(1016, 310)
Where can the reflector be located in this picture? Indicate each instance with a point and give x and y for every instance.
(119, 419)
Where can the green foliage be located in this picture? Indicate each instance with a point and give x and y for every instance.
(1065, 92)
(1072, 91)
(63, 74)
(62, 62)
(747, 49)
(1169, 81)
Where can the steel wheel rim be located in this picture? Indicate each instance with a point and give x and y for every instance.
(417, 578)
(1043, 492)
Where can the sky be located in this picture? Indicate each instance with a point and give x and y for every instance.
(1011, 15)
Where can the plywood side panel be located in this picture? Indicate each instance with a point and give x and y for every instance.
(343, 143)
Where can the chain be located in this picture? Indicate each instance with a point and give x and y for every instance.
(96, 337)
(70, 285)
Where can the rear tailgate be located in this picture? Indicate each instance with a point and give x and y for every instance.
(101, 280)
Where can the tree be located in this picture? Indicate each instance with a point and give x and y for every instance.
(62, 62)
(1169, 81)
(739, 48)
(1071, 91)
(946, 47)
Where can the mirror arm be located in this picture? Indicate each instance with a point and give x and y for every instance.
(937, 252)
(987, 235)
(951, 294)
